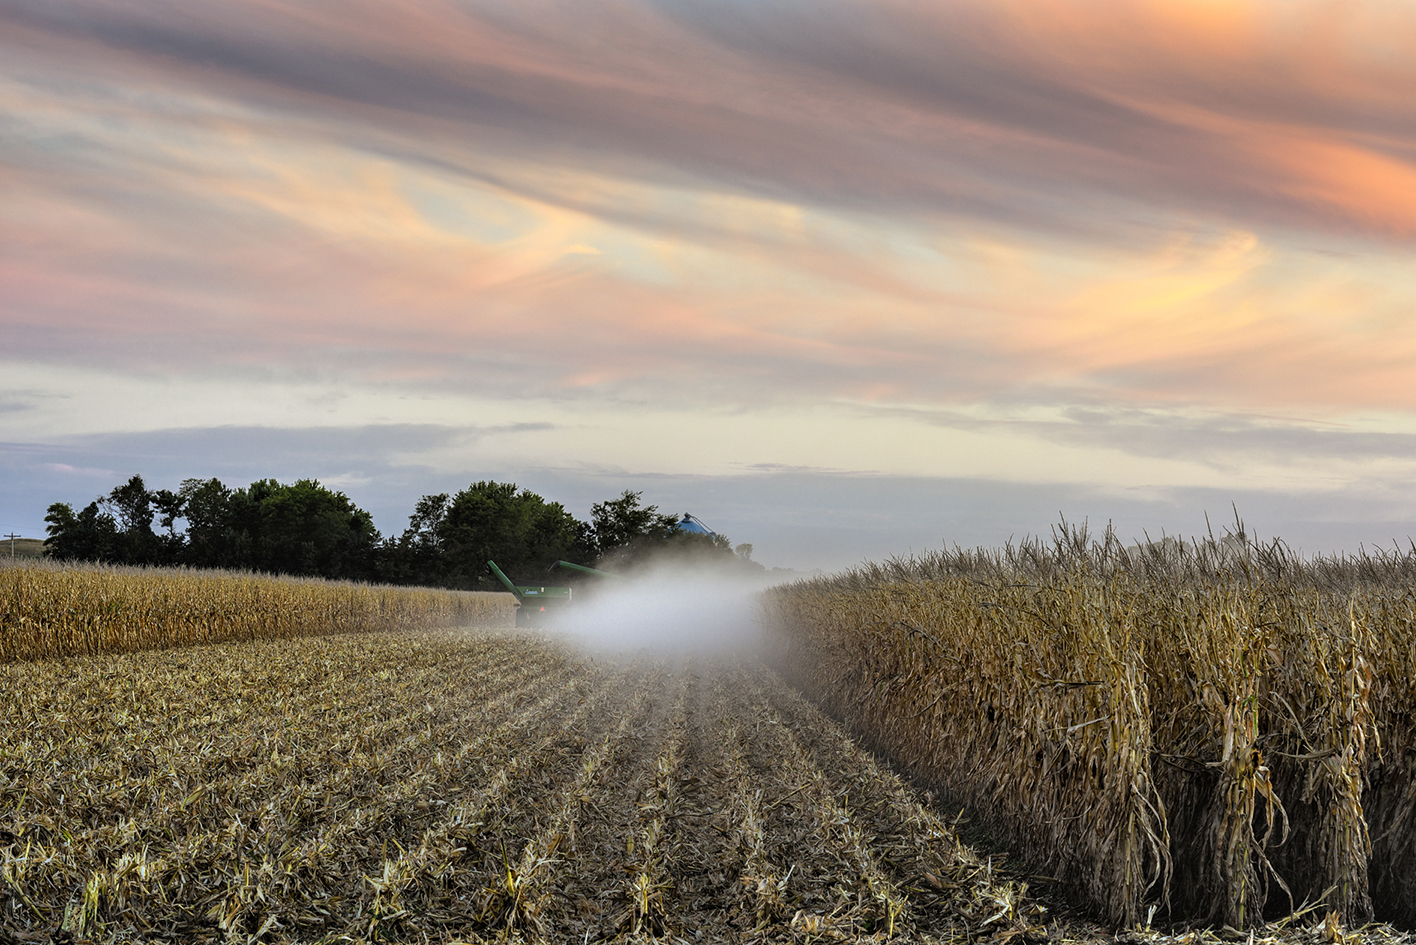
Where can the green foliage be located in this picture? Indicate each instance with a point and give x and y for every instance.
(415, 557)
(132, 508)
(449, 540)
(301, 529)
(622, 522)
(116, 527)
(211, 527)
(90, 535)
(630, 535)
(307, 529)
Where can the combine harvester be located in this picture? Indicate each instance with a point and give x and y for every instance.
(537, 602)
(534, 602)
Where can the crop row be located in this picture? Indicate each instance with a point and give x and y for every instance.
(1215, 747)
(458, 786)
(49, 611)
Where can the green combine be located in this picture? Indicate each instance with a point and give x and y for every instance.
(536, 601)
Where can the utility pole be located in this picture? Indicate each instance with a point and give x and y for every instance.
(12, 536)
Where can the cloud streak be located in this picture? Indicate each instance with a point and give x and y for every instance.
(1182, 217)
(1294, 110)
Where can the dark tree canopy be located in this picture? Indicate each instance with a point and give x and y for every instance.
(416, 556)
(115, 527)
(518, 529)
(633, 535)
(212, 540)
(89, 535)
(308, 529)
(302, 529)
(623, 521)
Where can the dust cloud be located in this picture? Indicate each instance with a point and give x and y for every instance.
(668, 610)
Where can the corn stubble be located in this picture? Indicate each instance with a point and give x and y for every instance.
(460, 785)
(1217, 732)
(50, 610)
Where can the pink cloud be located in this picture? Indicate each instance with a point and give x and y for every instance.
(68, 470)
(907, 202)
(990, 109)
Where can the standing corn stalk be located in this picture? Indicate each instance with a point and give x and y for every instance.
(53, 611)
(1195, 731)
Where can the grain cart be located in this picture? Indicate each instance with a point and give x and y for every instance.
(536, 601)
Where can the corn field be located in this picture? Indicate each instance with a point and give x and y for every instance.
(300, 782)
(461, 785)
(52, 611)
(1218, 732)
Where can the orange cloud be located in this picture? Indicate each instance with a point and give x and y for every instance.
(907, 202)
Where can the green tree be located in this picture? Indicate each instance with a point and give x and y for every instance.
(416, 556)
(629, 534)
(305, 529)
(116, 528)
(211, 533)
(300, 529)
(623, 521)
(495, 521)
(90, 535)
(132, 508)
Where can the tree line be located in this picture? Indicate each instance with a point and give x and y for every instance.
(307, 529)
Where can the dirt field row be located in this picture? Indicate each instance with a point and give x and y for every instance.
(462, 785)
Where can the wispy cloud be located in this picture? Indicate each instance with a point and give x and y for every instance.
(86, 471)
(1173, 213)
(898, 106)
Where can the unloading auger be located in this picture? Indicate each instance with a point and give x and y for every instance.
(582, 569)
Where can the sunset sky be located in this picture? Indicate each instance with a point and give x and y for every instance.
(845, 279)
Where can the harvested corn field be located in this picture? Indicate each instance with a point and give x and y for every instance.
(469, 786)
(458, 785)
